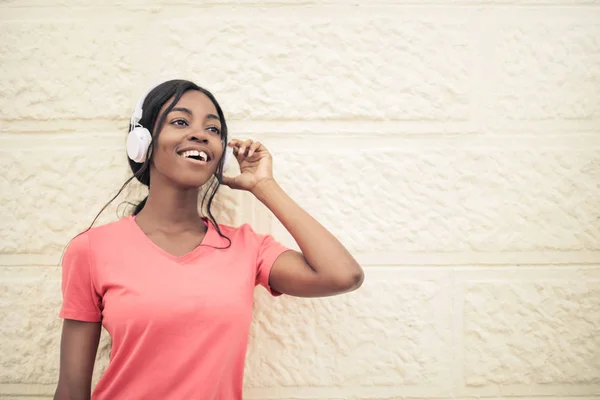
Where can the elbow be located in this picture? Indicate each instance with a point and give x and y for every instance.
(357, 279)
(352, 280)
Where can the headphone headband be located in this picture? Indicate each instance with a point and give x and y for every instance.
(138, 111)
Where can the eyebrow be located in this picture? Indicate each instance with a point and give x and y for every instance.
(182, 109)
(189, 112)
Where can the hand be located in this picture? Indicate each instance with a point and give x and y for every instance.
(256, 165)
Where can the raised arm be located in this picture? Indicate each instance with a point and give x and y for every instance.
(323, 267)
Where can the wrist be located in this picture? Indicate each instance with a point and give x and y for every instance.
(263, 188)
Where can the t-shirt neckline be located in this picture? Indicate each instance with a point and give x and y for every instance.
(208, 240)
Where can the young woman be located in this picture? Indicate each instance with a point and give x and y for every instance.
(173, 288)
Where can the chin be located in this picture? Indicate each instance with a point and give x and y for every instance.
(192, 182)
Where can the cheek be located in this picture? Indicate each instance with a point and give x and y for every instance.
(163, 155)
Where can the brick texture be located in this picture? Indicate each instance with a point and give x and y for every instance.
(532, 332)
(459, 135)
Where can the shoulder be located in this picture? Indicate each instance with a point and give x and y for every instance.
(98, 234)
(243, 229)
(245, 238)
(111, 228)
(242, 235)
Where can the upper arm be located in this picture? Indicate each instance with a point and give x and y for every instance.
(285, 271)
(78, 348)
(292, 274)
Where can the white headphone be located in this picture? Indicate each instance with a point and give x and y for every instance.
(139, 138)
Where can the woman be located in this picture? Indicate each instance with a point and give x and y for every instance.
(173, 288)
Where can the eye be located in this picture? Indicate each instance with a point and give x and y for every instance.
(179, 122)
(214, 129)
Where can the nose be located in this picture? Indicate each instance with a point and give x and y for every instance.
(198, 136)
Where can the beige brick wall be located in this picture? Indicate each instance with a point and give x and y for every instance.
(453, 146)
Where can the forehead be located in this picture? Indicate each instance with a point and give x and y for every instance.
(195, 101)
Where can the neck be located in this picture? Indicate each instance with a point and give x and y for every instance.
(168, 206)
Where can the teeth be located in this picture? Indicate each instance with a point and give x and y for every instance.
(195, 153)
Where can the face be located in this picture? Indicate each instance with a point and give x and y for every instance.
(189, 146)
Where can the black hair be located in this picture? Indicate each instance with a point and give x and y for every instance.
(154, 122)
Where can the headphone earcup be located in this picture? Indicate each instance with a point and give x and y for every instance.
(227, 157)
(138, 142)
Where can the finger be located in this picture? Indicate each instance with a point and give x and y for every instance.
(256, 146)
(234, 143)
(245, 146)
(235, 146)
(227, 181)
(239, 155)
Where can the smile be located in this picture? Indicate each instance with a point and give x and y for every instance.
(196, 156)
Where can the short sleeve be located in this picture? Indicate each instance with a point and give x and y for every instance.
(268, 251)
(80, 299)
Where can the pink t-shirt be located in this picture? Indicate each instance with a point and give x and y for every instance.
(179, 325)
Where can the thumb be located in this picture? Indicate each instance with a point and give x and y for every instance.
(228, 181)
